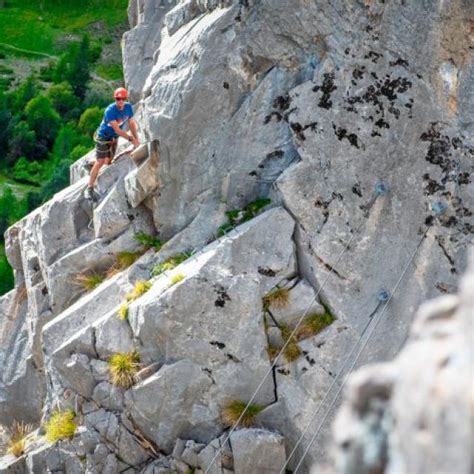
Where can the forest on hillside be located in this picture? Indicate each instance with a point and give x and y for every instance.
(56, 77)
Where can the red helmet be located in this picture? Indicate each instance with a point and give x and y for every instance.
(120, 93)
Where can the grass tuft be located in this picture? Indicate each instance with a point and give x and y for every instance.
(123, 311)
(123, 367)
(148, 241)
(234, 409)
(125, 259)
(17, 438)
(177, 278)
(140, 288)
(170, 263)
(313, 324)
(278, 297)
(61, 425)
(89, 281)
(292, 351)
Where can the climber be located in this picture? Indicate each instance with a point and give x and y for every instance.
(116, 115)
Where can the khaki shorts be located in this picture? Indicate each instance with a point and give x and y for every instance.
(105, 148)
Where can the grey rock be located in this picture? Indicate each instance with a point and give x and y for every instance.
(384, 424)
(169, 405)
(112, 335)
(142, 41)
(12, 465)
(257, 451)
(129, 450)
(216, 457)
(108, 396)
(190, 454)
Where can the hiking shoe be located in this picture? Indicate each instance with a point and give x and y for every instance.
(91, 194)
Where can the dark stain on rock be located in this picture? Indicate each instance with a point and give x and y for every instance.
(431, 185)
(265, 271)
(373, 56)
(222, 296)
(399, 62)
(342, 133)
(326, 88)
(356, 189)
(219, 345)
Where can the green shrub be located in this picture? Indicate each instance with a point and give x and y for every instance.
(170, 263)
(123, 367)
(177, 278)
(140, 288)
(123, 311)
(234, 409)
(148, 241)
(238, 216)
(61, 425)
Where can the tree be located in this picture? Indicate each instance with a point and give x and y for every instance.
(43, 119)
(73, 66)
(22, 142)
(90, 120)
(62, 98)
(24, 93)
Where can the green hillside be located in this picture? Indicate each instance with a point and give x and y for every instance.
(60, 60)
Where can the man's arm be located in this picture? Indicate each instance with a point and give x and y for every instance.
(133, 128)
(131, 138)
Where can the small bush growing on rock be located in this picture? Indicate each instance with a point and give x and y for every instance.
(272, 351)
(123, 367)
(170, 263)
(177, 278)
(122, 261)
(278, 297)
(148, 241)
(292, 350)
(140, 288)
(123, 311)
(61, 425)
(89, 281)
(239, 216)
(314, 324)
(234, 409)
(17, 437)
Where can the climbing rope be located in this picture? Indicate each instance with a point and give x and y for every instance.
(385, 296)
(289, 339)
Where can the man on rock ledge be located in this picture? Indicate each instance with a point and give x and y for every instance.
(116, 115)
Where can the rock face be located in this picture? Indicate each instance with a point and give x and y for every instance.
(355, 119)
(398, 415)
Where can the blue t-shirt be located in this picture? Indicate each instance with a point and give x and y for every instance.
(113, 113)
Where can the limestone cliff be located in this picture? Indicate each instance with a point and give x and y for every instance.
(355, 118)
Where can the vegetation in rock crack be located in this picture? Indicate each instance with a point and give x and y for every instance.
(278, 297)
(61, 425)
(239, 216)
(272, 351)
(177, 278)
(122, 261)
(314, 324)
(148, 241)
(89, 281)
(140, 288)
(123, 367)
(17, 438)
(170, 263)
(292, 350)
(123, 311)
(234, 409)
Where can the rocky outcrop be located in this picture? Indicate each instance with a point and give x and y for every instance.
(352, 118)
(415, 414)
